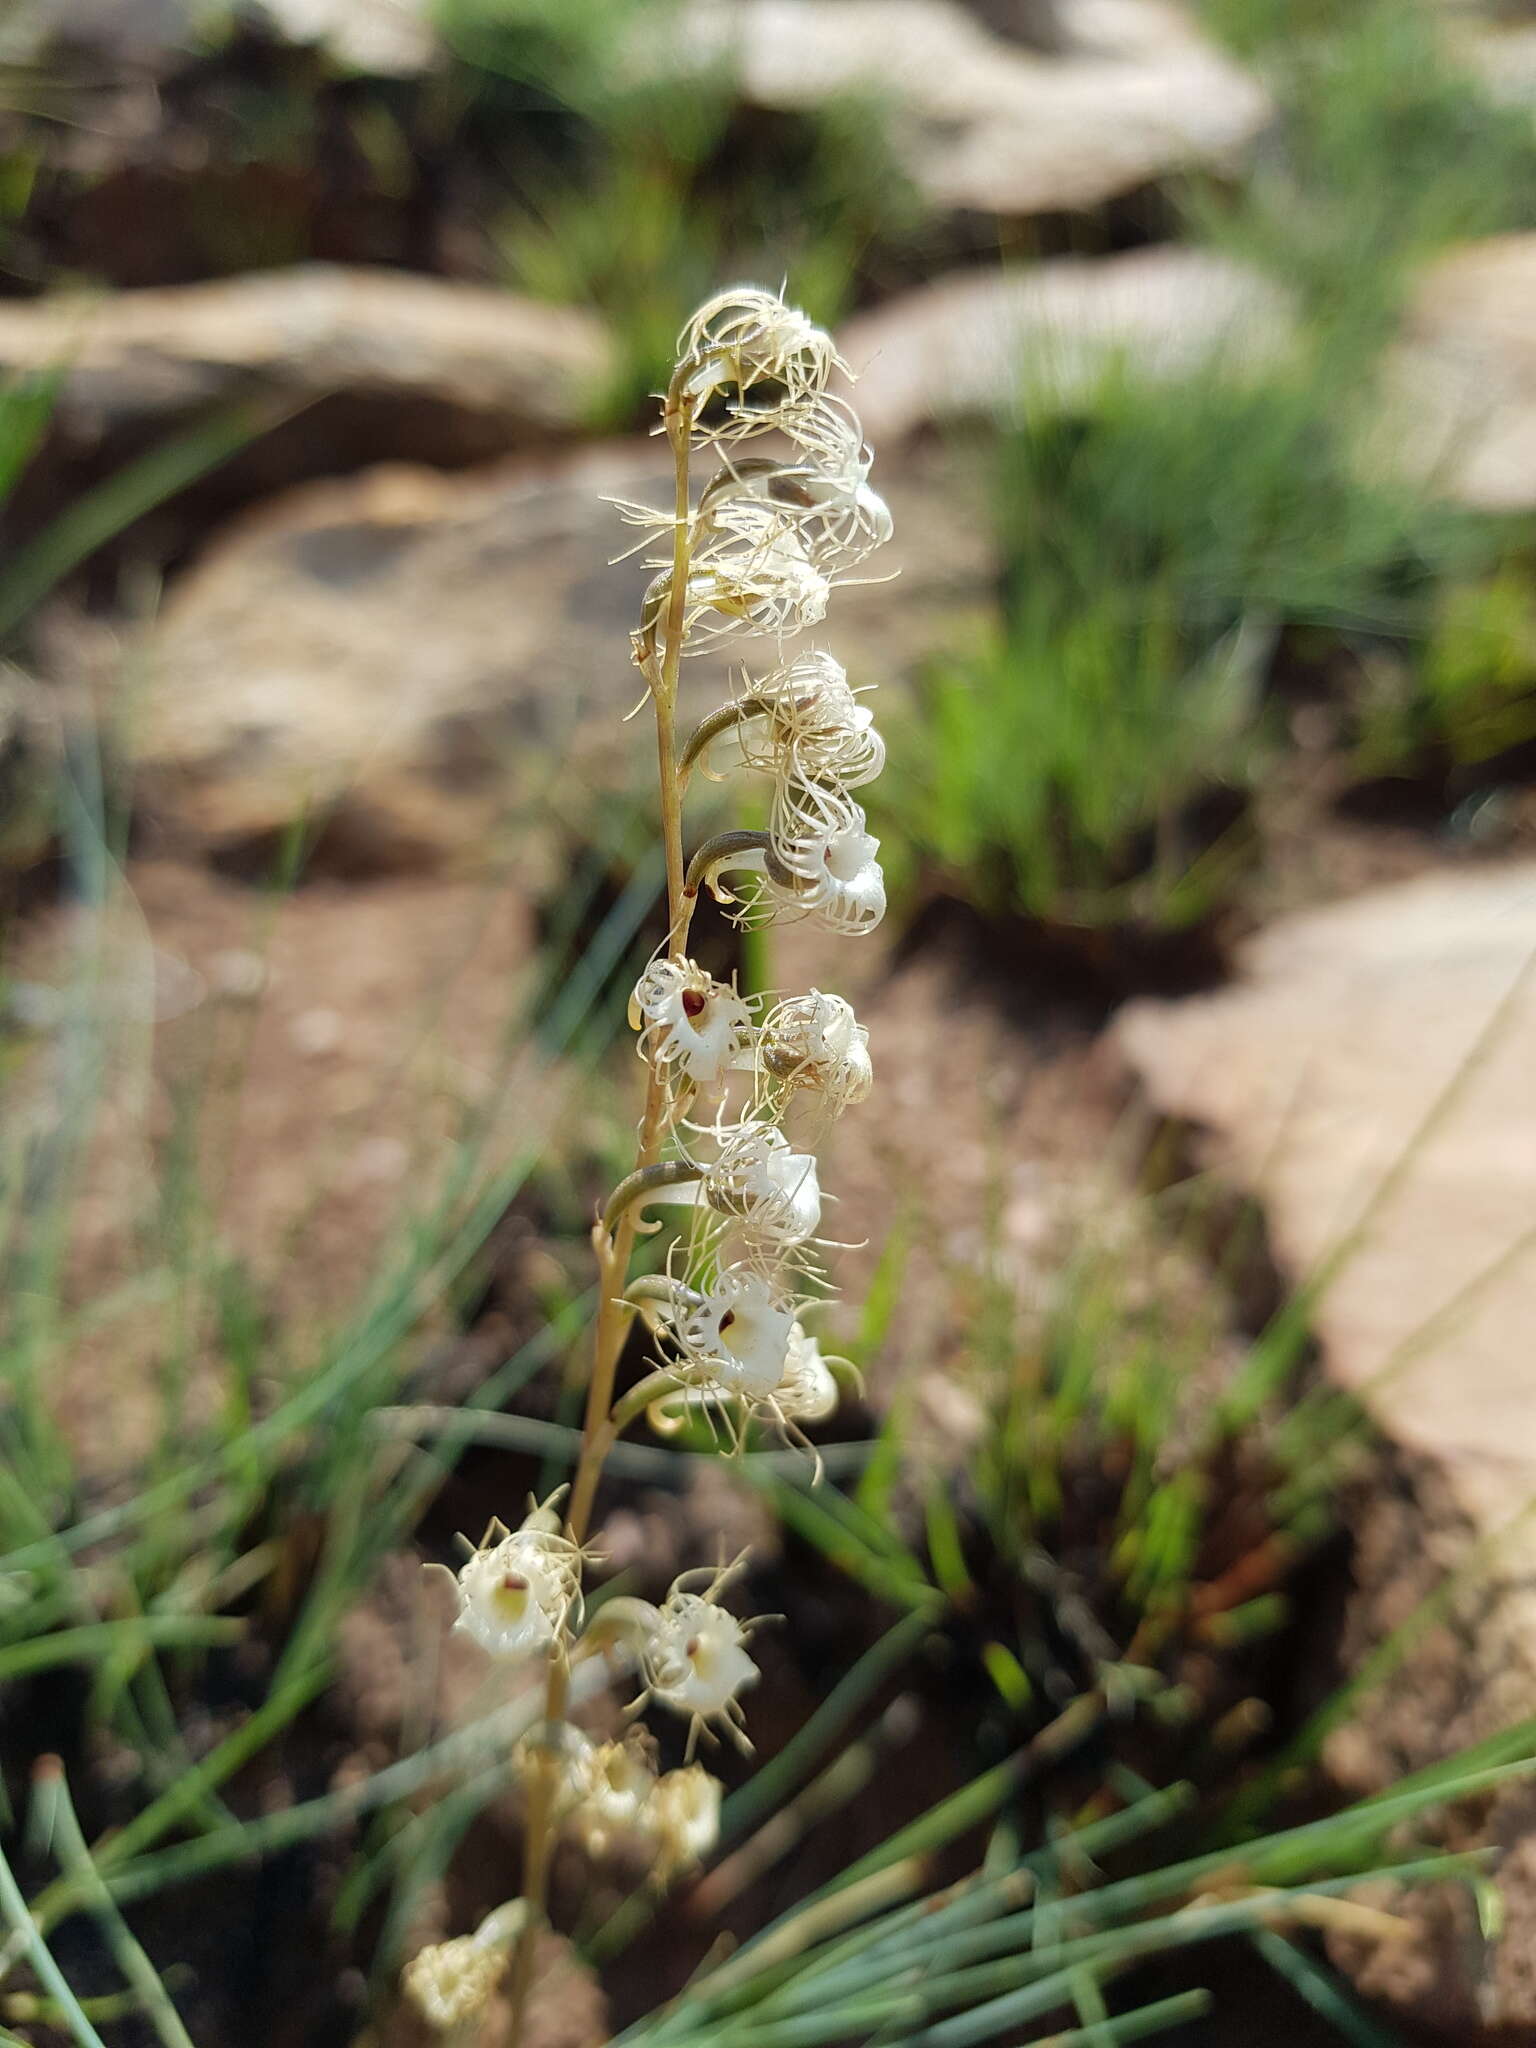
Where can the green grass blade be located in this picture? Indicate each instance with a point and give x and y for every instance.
(27, 1940)
(93, 1641)
(1319, 1988)
(59, 1821)
(99, 514)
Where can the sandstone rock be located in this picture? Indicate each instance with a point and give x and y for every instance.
(145, 33)
(412, 656)
(1369, 1078)
(503, 369)
(1502, 56)
(1316, 1072)
(1463, 380)
(981, 341)
(979, 121)
(381, 38)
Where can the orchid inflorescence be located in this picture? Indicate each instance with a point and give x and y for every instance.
(755, 553)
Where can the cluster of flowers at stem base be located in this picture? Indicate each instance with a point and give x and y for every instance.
(741, 1089)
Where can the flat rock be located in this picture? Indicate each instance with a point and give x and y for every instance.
(1132, 93)
(504, 369)
(982, 341)
(413, 657)
(1463, 379)
(1315, 1074)
(377, 38)
(1369, 1078)
(380, 38)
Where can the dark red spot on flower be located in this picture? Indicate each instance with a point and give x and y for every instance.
(513, 1582)
(726, 1320)
(693, 1002)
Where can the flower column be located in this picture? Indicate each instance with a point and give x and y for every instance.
(738, 1092)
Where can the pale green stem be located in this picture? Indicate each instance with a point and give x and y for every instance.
(614, 1249)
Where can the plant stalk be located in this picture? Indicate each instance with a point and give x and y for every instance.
(614, 1248)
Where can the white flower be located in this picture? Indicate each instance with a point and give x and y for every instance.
(690, 1023)
(747, 360)
(517, 1589)
(731, 1338)
(771, 1190)
(814, 1041)
(695, 1660)
(825, 859)
(807, 1392)
(812, 727)
(835, 515)
(684, 1817)
(753, 571)
(751, 574)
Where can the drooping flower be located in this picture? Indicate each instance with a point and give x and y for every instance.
(807, 1390)
(695, 1660)
(690, 1025)
(824, 863)
(750, 574)
(814, 1042)
(822, 491)
(518, 1587)
(730, 1339)
(811, 727)
(746, 360)
(767, 1188)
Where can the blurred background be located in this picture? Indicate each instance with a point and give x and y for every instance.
(1188, 1233)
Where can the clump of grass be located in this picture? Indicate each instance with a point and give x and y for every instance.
(1155, 546)
(1087, 763)
(643, 182)
(1467, 694)
(1386, 148)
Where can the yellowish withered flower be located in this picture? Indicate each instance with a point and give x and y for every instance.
(684, 1820)
(611, 1786)
(452, 1982)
